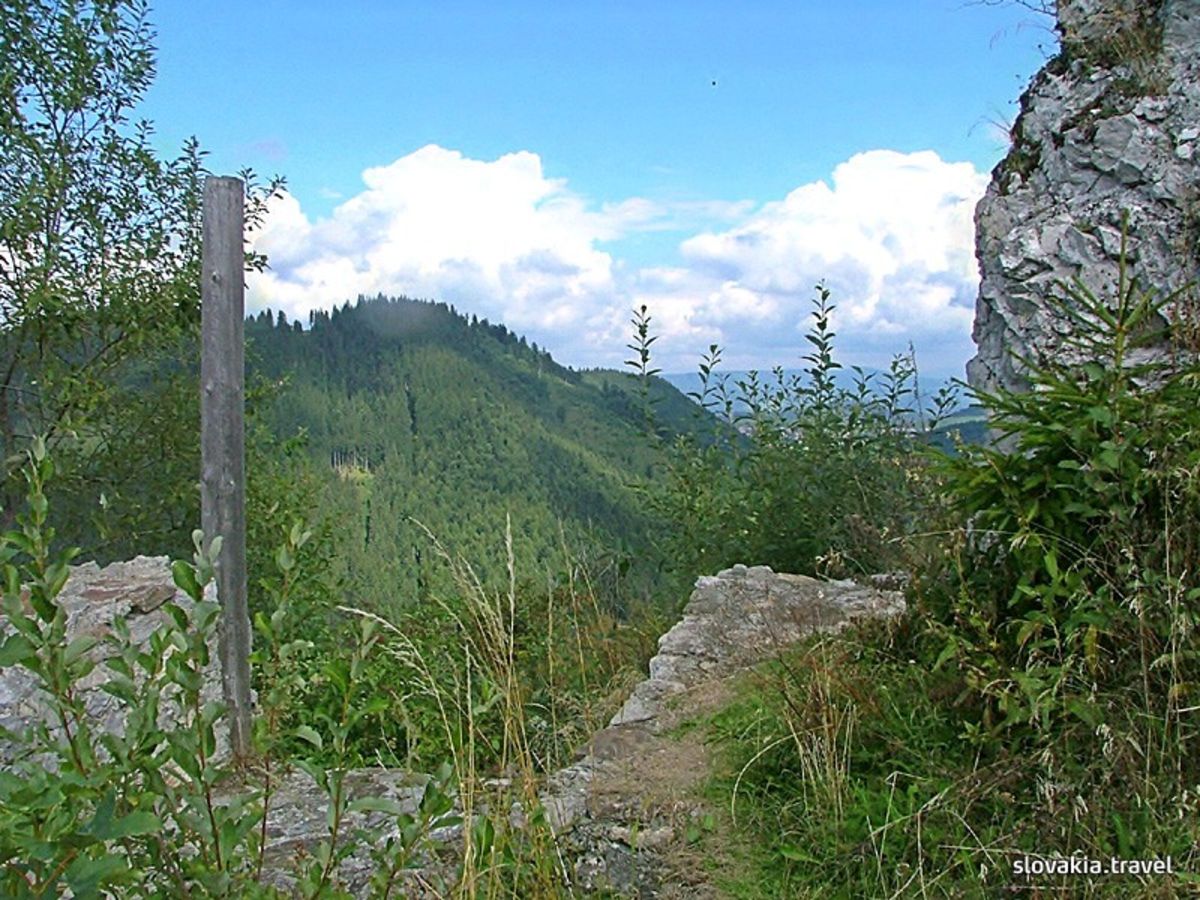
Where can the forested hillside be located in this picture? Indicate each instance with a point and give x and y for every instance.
(430, 420)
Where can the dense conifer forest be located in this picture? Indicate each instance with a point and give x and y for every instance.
(433, 425)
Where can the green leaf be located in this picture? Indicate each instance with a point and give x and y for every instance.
(78, 647)
(44, 606)
(233, 832)
(307, 733)
(178, 616)
(20, 541)
(56, 577)
(797, 855)
(263, 625)
(374, 706)
(102, 817)
(137, 822)
(1091, 647)
(86, 875)
(205, 613)
(948, 652)
(1084, 711)
(185, 579)
(484, 833)
(298, 536)
(121, 687)
(1124, 844)
(16, 650)
(1028, 629)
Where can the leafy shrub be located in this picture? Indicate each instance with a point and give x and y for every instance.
(1039, 697)
(89, 810)
(803, 474)
(1086, 529)
(154, 809)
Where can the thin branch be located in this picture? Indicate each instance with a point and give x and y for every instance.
(1041, 7)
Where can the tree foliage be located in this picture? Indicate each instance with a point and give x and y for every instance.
(99, 272)
(421, 416)
(98, 236)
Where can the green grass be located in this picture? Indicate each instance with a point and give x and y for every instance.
(907, 802)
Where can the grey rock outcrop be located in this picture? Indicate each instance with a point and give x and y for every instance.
(1109, 128)
(740, 617)
(93, 599)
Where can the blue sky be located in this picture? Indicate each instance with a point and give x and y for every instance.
(553, 165)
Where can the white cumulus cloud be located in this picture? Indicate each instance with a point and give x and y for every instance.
(891, 234)
(498, 238)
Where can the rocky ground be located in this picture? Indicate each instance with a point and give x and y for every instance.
(630, 808)
(625, 814)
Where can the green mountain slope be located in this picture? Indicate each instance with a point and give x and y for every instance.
(433, 421)
(968, 425)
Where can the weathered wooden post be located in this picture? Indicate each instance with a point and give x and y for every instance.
(222, 438)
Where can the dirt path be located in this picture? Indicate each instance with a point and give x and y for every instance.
(651, 790)
(631, 811)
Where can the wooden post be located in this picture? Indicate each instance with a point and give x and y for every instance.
(222, 439)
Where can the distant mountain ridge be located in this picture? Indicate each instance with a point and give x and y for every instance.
(689, 382)
(968, 420)
(428, 418)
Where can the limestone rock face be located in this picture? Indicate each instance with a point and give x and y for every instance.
(1109, 127)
